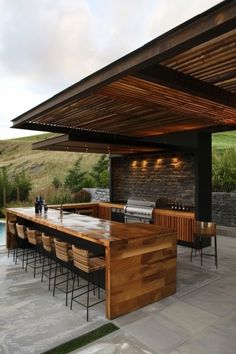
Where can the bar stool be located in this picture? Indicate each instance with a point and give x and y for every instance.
(64, 260)
(21, 244)
(89, 265)
(35, 239)
(12, 239)
(49, 255)
(204, 230)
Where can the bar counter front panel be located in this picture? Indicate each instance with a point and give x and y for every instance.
(140, 258)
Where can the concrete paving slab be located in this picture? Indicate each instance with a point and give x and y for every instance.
(199, 318)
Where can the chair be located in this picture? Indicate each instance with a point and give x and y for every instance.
(49, 255)
(64, 259)
(12, 238)
(22, 242)
(202, 231)
(35, 239)
(89, 265)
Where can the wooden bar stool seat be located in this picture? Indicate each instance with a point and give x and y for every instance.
(12, 239)
(204, 230)
(34, 239)
(22, 243)
(89, 265)
(64, 259)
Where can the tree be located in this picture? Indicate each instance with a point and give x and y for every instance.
(23, 184)
(100, 172)
(75, 178)
(20, 183)
(6, 190)
(56, 183)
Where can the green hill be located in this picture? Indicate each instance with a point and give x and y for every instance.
(224, 140)
(41, 166)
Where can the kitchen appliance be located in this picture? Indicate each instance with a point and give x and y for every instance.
(117, 214)
(138, 210)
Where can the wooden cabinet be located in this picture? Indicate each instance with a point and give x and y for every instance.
(104, 211)
(182, 222)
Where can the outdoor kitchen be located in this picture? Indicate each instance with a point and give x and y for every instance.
(153, 114)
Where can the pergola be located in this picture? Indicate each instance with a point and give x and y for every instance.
(181, 82)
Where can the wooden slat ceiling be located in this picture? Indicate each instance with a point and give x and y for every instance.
(182, 81)
(213, 61)
(136, 107)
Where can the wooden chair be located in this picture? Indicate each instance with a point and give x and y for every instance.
(12, 238)
(49, 255)
(204, 230)
(22, 243)
(34, 239)
(84, 262)
(64, 259)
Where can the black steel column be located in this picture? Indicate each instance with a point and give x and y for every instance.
(111, 179)
(203, 178)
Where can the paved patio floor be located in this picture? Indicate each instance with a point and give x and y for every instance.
(200, 318)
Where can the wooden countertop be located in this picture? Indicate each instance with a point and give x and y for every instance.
(96, 230)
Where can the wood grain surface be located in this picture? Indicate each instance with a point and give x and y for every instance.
(140, 258)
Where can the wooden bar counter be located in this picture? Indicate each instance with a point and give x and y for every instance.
(140, 258)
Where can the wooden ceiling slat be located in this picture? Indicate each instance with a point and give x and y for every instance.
(217, 45)
(202, 62)
(209, 61)
(212, 67)
(135, 105)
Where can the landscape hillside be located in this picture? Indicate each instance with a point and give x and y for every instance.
(226, 140)
(42, 166)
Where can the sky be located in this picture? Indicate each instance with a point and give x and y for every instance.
(48, 45)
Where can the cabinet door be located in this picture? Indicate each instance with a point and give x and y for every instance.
(105, 212)
(183, 224)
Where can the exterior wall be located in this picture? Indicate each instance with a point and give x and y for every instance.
(154, 176)
(224, 208)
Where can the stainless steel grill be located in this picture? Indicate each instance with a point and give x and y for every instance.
(137, 210)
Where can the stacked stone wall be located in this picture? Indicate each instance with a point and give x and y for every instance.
(224, 208)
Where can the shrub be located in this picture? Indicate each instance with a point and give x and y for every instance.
(224, 170)
(61, 196)
(82, 196)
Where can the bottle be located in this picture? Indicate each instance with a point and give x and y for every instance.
(36, 205)
(40, 204)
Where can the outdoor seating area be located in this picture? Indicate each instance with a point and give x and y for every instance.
(199, 318)
(150, 261)
(54, 258)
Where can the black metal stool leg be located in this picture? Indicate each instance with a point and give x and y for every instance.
(72, 292)
(200, 243)
(88, 298)
(55, 283)
(216, 255)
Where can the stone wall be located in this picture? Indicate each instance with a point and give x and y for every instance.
(152, 176)
(224, 208)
